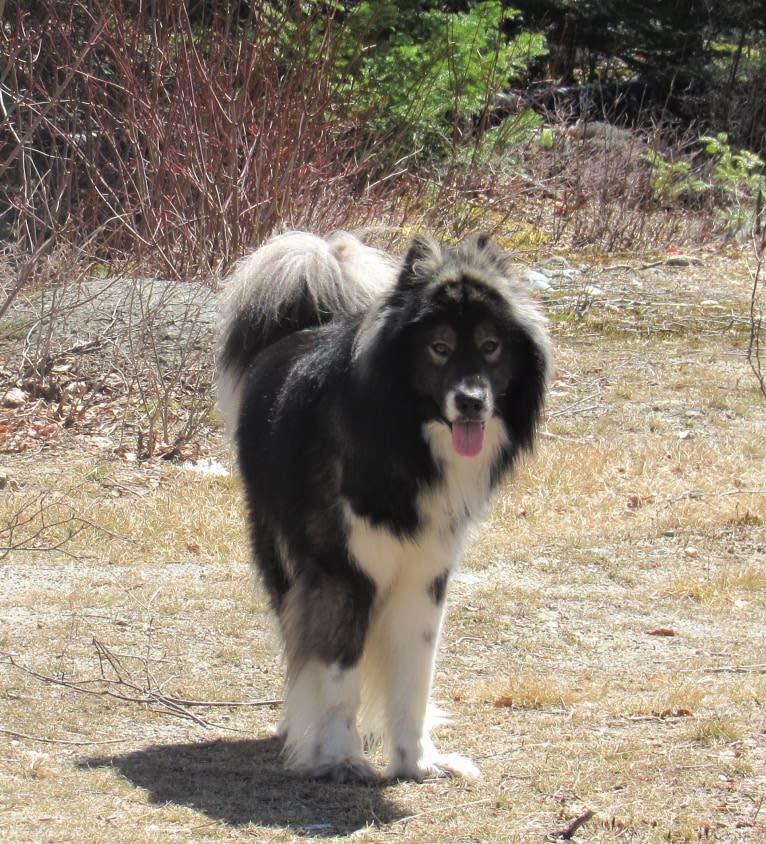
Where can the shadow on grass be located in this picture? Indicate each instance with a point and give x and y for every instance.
(243, 782)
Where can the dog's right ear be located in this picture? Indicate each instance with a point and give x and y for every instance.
(420, 261)
(419, 264)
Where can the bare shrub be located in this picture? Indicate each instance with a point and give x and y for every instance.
(141, 141)
(597, 185)
(166, 144)
(165, 357)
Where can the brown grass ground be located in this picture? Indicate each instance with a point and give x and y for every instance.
(604, 651)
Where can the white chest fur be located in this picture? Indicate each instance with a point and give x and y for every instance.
(446, 511)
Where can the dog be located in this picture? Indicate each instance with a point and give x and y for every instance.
(374, 405)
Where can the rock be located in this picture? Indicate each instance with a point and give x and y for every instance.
(555, 272)
(557, 262)
(681, 260)
(535, 280)
(557, 266)
(15, 397)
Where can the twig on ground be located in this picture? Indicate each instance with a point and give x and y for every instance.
(698, 496)
(568, 832)
(136, 693)
(756, 321)
(579, 406)
(38, 523)
(149, 694)
(759, 668)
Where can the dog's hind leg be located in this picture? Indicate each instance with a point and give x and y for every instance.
(325, 624)
(405, 643)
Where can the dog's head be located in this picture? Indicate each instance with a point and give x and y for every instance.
(471, 341)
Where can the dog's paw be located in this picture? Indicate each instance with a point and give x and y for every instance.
(358, 771)
(455, 765)
(434, 766)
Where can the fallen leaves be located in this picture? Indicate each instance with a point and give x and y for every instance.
(35, 424)
(21, 432)
(636, 502)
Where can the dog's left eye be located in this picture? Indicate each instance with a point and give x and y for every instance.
(490, 349)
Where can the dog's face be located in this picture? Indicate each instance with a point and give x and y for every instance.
(464, 338)
(462, 367)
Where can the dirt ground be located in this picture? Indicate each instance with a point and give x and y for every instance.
(604, 657)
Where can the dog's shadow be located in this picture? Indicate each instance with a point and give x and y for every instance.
(242, 782)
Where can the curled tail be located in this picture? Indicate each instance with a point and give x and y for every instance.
(294, 281)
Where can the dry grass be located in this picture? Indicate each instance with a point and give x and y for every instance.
(604, 649)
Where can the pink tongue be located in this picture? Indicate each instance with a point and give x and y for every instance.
(467, 438)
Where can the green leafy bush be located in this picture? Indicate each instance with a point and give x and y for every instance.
(735, 186)
(426, 75)
(671, 181)
(739, 178)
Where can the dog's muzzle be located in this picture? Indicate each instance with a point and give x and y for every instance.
(469, 405)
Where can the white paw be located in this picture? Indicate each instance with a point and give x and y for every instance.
(433, 766)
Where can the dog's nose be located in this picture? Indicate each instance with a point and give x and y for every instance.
(471, 402)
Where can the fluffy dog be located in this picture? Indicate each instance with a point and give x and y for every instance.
(374, 405)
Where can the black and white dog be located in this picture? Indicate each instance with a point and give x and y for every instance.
(375, 405)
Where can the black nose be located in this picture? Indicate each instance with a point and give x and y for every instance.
(471, 402)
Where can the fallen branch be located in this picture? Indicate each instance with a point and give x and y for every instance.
(144, 695)
(577, 406)
(698, 496)
(756, 322)
(672, 261)
(33, 528)
(71, 524)
(568, 832)
(147, 695)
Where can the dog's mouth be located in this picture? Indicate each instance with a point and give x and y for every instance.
(467, 436)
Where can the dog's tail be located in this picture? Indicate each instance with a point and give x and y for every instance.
(294, 281)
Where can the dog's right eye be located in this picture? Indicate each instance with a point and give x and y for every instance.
(440, 351)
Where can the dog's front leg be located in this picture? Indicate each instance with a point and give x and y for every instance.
(410, 638)
(320, 724)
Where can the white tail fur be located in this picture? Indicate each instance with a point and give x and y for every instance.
(295, 280)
